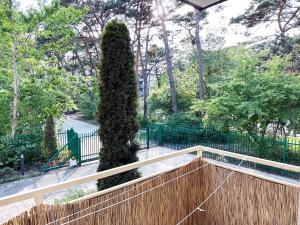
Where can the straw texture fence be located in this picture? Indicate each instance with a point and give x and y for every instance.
(243, 200)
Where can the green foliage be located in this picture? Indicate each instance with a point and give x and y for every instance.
(12, 148)
(282, 46)
(57, 36)
(118, 111)
(183, 119)
(256, 95)
(73, 195)
(44, 87)
(160, 102)
(8, 174)
(89, 101)
(269, 11)
(49, 143)
(217, 64)
(49, 92)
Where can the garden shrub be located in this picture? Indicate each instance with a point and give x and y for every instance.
(118, 111)
(12, 148)
(89, 102)
(183, 119)
(49, 142)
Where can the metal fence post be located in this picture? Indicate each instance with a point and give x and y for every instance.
(79, 149)
(285, 150)
(148, 136)
(159, 135)
(22, 164)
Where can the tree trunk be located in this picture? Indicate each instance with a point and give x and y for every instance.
(199, 55)
(138, 47)
(15, 75)
(168, 55)
(145, 74)
(16, 88)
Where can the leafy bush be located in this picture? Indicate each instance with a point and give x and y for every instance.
(145, 121)
(9, 175)
(183, 119)
(89, 101)
(12, 148)
(7, 172)
(49, 142)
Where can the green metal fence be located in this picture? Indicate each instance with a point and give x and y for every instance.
(86, 147)
(149, 137)
(90, 146)
(279, 149)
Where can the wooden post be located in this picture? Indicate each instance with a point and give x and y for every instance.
(38, 200)
(200, 152)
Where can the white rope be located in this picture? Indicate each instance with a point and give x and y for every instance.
(125, 199)
(100, 203)
(215, 191)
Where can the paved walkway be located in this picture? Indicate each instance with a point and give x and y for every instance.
(65, 174)
(80, 127)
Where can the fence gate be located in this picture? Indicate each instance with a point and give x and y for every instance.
(74, 145)
(90, 146)
(86, 147)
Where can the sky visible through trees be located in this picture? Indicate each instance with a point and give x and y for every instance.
(231, 8)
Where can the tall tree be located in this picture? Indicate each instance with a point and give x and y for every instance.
(284, 12)
(14, 70)
(199, 54)
(141, 13)
(162, 16)
(192, 23)
(150, 59)
(118, 110)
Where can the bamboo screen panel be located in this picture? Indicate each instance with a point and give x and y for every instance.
(243, 200)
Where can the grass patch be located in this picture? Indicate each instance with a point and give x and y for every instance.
(73, 195)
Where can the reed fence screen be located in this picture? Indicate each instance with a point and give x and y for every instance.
(170, 197)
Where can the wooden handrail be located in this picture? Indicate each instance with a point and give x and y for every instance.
(254, 159)
(39, 193)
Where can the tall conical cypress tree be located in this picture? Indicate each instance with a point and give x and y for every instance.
(49, 143)
(118, 110)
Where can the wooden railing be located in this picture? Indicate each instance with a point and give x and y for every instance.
(38, 194)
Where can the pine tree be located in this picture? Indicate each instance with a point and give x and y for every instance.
(49, 142)
(118, 111)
